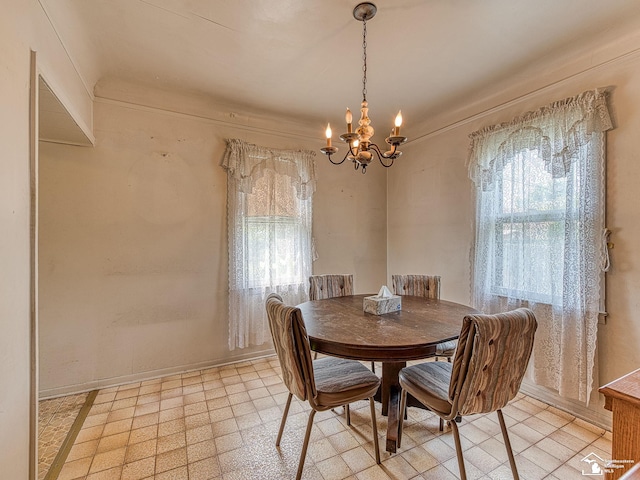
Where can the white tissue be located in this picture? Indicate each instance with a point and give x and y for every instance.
(384, 292)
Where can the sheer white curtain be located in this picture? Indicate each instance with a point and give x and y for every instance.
(540, 222)
(269, 207)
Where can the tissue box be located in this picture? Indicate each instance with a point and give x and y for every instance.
(381, 305)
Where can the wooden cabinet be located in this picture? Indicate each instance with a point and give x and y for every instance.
(622, 397)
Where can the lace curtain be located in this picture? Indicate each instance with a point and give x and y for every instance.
(539, 233)
(269, 207)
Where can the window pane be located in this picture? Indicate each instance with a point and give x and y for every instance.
(532, 255)
(527, 186)
(530, 230)
(274, 229)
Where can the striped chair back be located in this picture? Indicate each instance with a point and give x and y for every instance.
(491, 360)
(291, 343)
(427, 286)
(329, 286)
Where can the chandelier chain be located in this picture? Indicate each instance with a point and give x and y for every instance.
(361, 150)
(364, 58)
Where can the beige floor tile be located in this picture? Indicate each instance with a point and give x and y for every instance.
(90, 433)
(199, 434)
(75, 469)
(204, 469)
(473, 473)
(439, 472)
(171, 442)
(171, 427)
(171, 460)
(481, 459)
(110, 474)
(139, 469)
(113, 442)
(221, 424)
(145, 420)
(195, 408)
(143, 434)
(82, 450)
(180, 473)
(542, 459)
(124, 403)
(553, 417)
(358, 459)
(334, 468)
(141, 450)
(107, 460)
(202, 450)
(171, 414)
(343, 441)
(111, 428)
(231, 441)
(550, 446)
(420, 459)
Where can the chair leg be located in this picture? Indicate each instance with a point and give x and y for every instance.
(347, 412)
(315, 355)
(441, 425)
(507, 444)
(373, 367)
(303, 454)
(456, 438)
(403, 407)
(374, 426)
(284, 419)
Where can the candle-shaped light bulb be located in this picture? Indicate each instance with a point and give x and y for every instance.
(396, 130)
(328, 134)
(349, 118)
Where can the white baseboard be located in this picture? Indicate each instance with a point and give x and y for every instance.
(148, 375)
(594, 413)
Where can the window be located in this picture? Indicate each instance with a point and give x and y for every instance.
(540, 232)
(273, 225)
(529, 230)
(269, 206)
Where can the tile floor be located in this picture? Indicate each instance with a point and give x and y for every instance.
(55, 418)
(221, 424)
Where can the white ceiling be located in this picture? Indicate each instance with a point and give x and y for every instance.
(303, 58)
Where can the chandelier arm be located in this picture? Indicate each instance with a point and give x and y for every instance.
(381, 155)
(341, 161)
(393, 151)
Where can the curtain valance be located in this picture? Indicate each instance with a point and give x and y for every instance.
(246, 163)
(556, 131)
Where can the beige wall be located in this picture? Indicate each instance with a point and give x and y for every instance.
(23, 27)
(431, 211)
(14, 254)
(133, 239)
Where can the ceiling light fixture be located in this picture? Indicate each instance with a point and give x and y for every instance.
(360, 145)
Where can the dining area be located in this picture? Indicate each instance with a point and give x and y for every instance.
(484, 356)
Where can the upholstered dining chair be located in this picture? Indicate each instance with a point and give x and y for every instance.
(486, 373)
(427, 286)
(325, 383)
(329, 286)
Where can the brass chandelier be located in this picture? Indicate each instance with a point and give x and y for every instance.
(361, 149)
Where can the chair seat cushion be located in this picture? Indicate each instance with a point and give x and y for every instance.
(429, 382)
(340, 381)
(446, 349)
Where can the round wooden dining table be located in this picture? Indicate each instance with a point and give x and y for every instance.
(339, 327)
